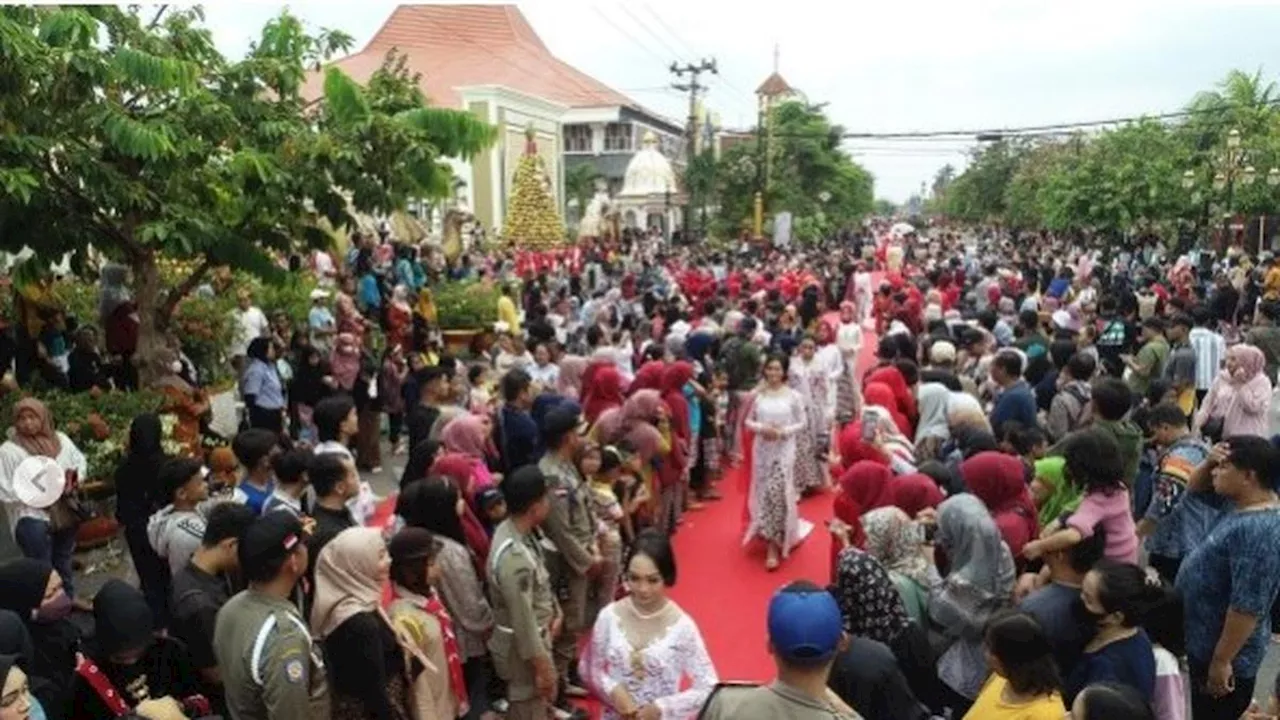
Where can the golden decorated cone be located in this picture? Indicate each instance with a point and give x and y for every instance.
(532, 220)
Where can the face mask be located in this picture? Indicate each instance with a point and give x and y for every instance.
(56, 609)
(1085, 616)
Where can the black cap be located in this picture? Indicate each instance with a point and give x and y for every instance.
(270, 538)
(563, 418)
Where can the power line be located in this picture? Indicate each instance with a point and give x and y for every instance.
(1065, 128)
(692, 53)
(628, 35)
(675, 53)
(1051, 128)
(649, 9)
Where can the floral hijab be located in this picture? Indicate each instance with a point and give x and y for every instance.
(868, 599)
(894, 539)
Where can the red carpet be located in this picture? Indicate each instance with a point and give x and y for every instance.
(725, 587)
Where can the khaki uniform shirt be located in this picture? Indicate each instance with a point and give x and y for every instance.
(571, 526)
(271, 668)
(777, 701)
(523, 606)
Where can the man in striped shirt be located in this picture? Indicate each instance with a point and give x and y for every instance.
(1210, 351)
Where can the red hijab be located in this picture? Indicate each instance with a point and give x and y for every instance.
(915, 492)
(602, 390)
(864, 487)
(852, 447)
(1000, 481)
(877, 393)
(459, 469)
(906, 400)
(649, 377)
(674, 378)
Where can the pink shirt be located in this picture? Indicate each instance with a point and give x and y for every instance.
(1113, 511)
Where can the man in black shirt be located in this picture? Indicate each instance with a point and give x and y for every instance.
(335, 481)
(204, 584)
(435, 391)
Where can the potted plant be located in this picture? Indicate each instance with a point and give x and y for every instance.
(465, 310)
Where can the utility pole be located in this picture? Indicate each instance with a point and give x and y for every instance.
(693, 87)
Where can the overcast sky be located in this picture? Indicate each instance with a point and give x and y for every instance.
(882, 66)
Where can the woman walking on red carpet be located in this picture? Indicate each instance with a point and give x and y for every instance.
(776, 416)
(644, 645)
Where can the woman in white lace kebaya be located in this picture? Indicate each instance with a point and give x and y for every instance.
(776, 416)
(811, 379)
(643, 645)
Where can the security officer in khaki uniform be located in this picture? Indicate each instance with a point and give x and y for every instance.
(271, 669)
(571, 526)
(526, 616)
(806, 633)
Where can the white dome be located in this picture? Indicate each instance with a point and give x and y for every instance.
(649, 172)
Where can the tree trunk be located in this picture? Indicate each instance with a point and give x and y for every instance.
(151, 325)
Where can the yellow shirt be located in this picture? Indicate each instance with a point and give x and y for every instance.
(989, 706)
(1271, 283)
(507, 314)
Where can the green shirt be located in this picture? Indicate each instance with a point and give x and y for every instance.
(1151, 356)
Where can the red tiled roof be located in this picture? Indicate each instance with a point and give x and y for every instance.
(455, 46)
(774, 85)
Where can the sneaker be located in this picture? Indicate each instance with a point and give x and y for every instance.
(570, 714)
(500, 706)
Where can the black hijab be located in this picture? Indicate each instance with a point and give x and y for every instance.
(53, 644)
(420, 459)
(123, 622)
(121, 619)
(24, 581)
(138, 491)
(15, 644)
(15, 641)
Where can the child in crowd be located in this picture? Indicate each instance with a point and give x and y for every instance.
(493, 508)
(602, 467)
(713, 436)
(630, 491)
(1024, 680)
(1165, 626)
(1093, 463)
(224, 471)
(479, 396)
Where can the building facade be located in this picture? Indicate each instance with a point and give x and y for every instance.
(607, 138)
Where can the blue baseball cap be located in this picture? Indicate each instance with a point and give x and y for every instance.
(805, 624)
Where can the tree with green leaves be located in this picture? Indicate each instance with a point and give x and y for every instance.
(810, 175)
(1129, 178)
(132, 133)
(580, 186)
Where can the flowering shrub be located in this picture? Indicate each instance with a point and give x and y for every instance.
(97, 422)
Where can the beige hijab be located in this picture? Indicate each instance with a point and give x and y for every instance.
(346, 580)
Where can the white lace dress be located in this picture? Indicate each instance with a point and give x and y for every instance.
(653, 672)
(809, 380)
(771, 503)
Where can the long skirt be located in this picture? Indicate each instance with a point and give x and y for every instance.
(368, 449)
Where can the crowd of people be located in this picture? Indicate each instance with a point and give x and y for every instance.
(1053, 489)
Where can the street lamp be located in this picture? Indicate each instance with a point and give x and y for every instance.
(1229, 168)
(1273, 177)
